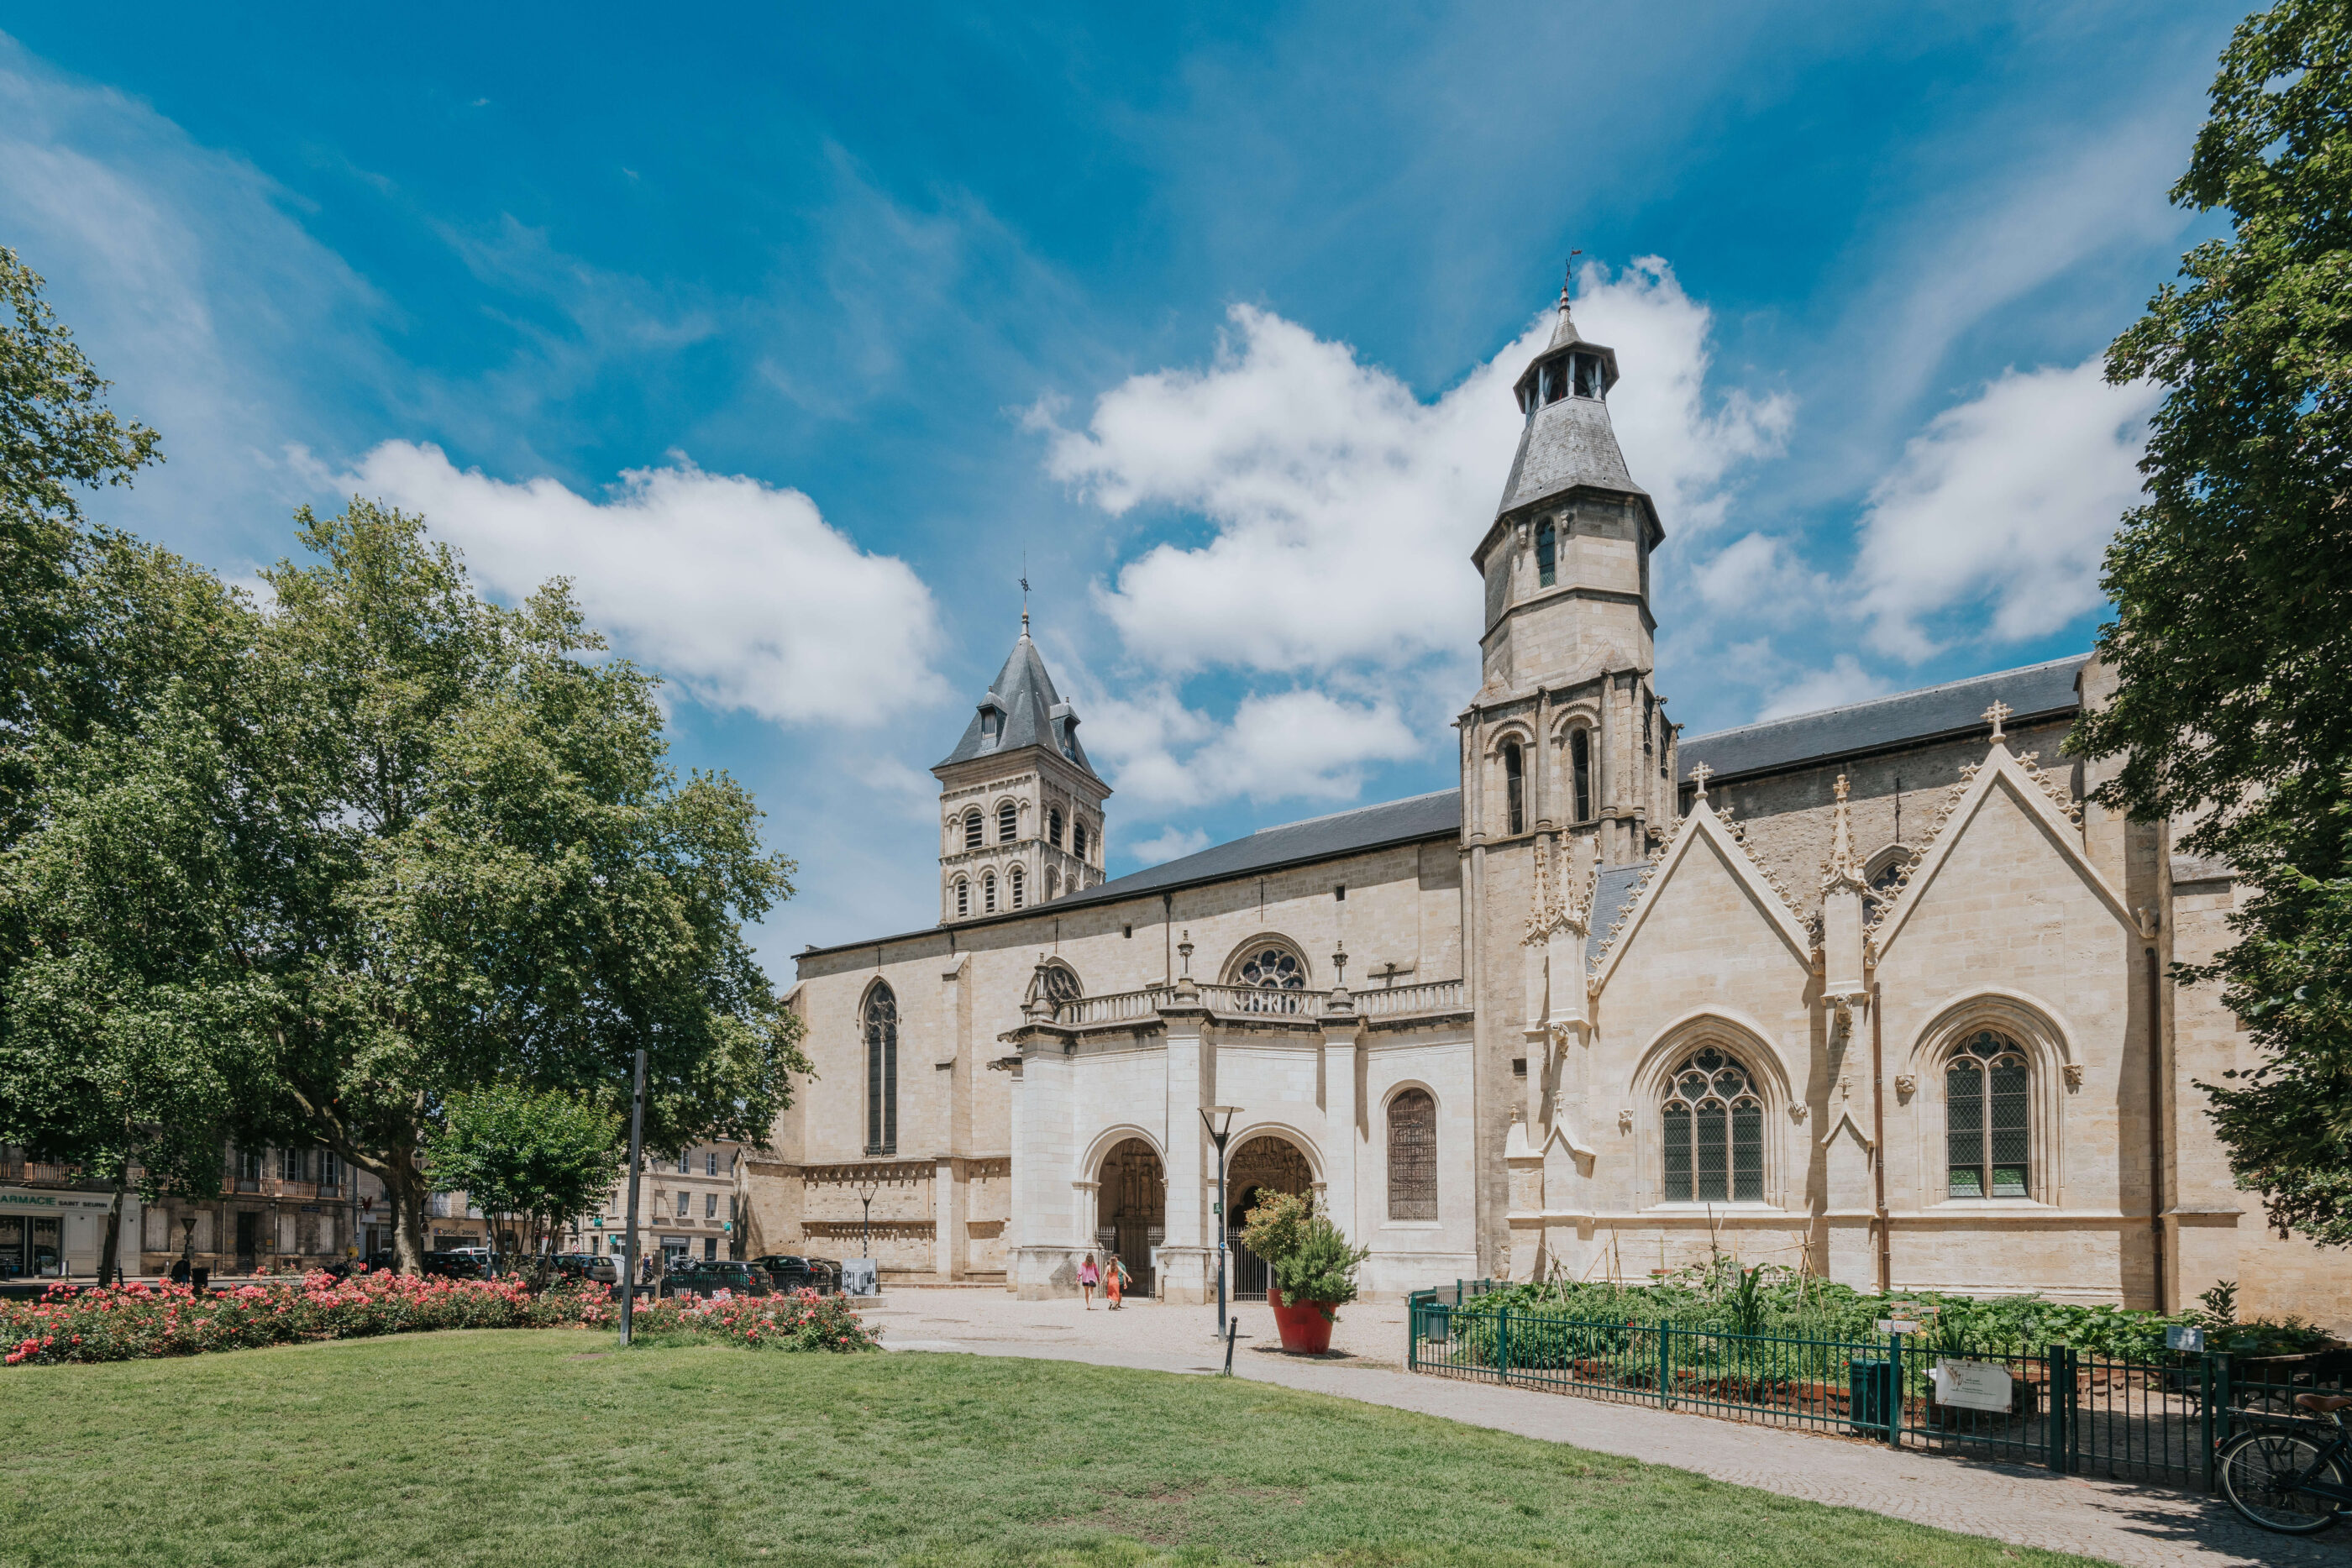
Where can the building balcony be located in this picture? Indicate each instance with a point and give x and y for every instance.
(1425, 999)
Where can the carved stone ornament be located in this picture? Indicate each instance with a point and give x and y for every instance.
(1626, 1120)
(1796, 1111)
(1906, 1086)
(2074, 1071)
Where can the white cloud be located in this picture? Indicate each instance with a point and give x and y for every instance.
(1676, 449)
(739, 592)
(1172, 844)
(1301, 744)
(1756, 571)
(1846, 680)
(1992, 523)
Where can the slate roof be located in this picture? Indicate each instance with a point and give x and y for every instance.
(1567, 442)
(1933, 712)
(1612, 895)
(1032, 713)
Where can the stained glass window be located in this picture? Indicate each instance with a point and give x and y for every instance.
(1986, 1116)
(1713, 1127)
(1412, 1155)
(881, 1071)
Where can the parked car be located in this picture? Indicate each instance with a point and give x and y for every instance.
(708, 1279)
(792, 1272)
(591, 1266)
(458, 1264)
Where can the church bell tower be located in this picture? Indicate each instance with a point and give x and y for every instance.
(1567, 735)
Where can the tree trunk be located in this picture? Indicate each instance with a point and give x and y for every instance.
(404, 1189)
(110, 1268)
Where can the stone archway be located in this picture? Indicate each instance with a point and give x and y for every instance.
(1131, 1209)
(1266, 1164)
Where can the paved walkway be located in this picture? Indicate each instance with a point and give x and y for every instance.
(2155, 1526)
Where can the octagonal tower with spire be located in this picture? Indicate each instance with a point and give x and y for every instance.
(1567, 734)
(1020, 809)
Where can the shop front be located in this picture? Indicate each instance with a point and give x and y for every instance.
(48, 1233)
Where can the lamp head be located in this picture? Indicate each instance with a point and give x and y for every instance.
(1219, 1120)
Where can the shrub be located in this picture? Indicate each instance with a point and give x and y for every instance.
(1308, 1256)
(137, 1321)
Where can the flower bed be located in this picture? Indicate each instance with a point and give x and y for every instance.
(136, 1322)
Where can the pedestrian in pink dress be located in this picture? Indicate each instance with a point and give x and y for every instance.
(1089, 1277)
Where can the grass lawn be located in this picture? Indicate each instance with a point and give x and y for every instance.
(533, 1448)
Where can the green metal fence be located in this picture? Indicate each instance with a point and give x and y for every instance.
(2156, 1420)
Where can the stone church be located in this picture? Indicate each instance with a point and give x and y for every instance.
(1875, 992)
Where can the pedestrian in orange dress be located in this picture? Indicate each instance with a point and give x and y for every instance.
(1114, 1282)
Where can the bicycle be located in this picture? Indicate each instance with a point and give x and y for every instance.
(2288, 1480)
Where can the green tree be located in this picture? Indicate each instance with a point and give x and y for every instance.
(2233, 590)
(529, 1159)
(132, 1019)
(57, 439)
(496, 878)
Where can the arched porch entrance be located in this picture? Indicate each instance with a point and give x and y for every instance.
(1131, 1209)
(1265, 1165)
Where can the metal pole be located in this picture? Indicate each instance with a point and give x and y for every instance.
(636, 1149)
(866, 1242)
(1221, 1236)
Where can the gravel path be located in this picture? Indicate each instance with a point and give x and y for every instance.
(2155, 1526)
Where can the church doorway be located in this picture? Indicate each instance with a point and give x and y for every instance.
(1131, 1209)
(1263, 1166)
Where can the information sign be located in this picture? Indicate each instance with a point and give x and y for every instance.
(2179, 1337)
(1897, 1325)
(1972, 1385)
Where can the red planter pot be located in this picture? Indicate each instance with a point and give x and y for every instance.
(1304, 1326)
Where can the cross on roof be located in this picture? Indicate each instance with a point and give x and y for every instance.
(1995, 715)
(1699, 775)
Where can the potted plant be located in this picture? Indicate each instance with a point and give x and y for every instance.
(1312, 1268)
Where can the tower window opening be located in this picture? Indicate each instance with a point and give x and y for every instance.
(972, 829)
(1008, 823)
(1579, 768)
(1078, 840)
(964, 898)
(1547, 555)
(1053, 826)
(988, 726)
(1514, 788)
(1588, 378)
(1553, 382)
(1019, 882)
(988, 892)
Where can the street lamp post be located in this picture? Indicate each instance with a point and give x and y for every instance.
(1219, 1121)
(865, 1195)
(628, 1271)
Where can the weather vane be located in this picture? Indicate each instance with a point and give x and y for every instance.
(1568, 273)
(1025, 588)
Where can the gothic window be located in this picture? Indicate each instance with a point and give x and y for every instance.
(1277, 975)
(1985, 1115)
(1547, 555)
(1515, 788)
(1061, 984)
(988, 892)
(971, 829)
(881, 1071)
(1018, 881)
(962, 898)
(1008, 823)
(1885, 880)
(1412, 1155)
(1580, 771)
(1078, 840)
(1713, 1121)
(1053, 826)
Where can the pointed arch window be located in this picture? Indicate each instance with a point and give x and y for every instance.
(1580, 771)
(1547, 555)
(881, 1022)
(1713, 1127)
(1017, 880)
(971, 836)
(962, 898)
(1515, 788)
(1008, 823)
(1987, 1110)
(1412, 1155)
(988, 892)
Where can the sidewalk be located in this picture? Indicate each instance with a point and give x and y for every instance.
(2153, 1526)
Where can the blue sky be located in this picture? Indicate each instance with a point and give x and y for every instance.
(786, 335)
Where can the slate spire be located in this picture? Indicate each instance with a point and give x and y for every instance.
(1021, 708)
(1568, 442)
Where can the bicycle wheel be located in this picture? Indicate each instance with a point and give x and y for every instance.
(2260, 1476)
